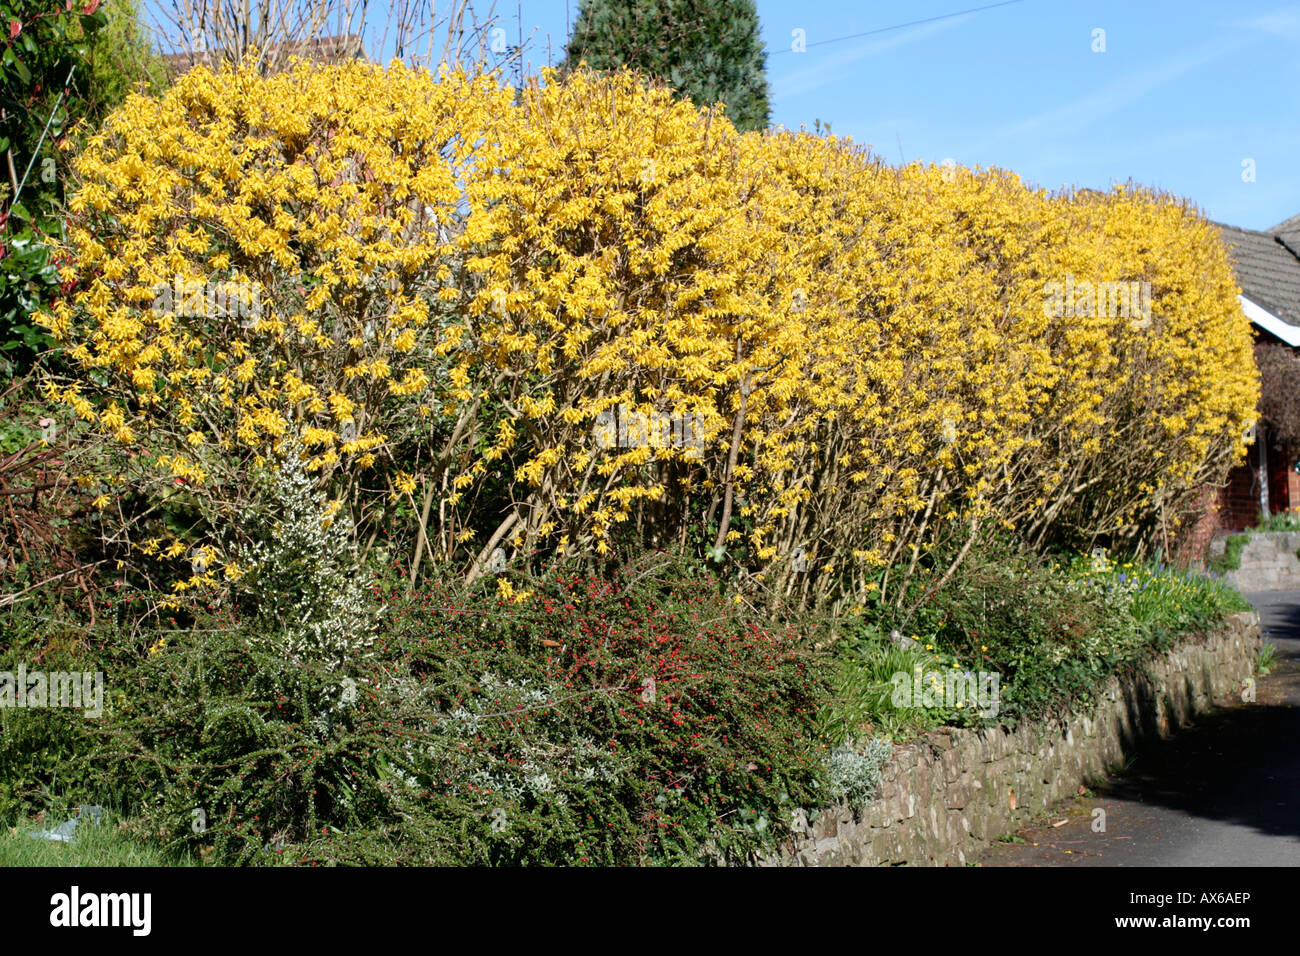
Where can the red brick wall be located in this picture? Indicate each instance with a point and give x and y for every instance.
(1239, 498)
(1235, 506)
(1239, 501)
(1193, 542)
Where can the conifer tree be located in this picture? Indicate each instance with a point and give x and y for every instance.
(708, 50)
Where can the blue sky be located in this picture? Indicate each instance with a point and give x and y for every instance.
(1184, 93)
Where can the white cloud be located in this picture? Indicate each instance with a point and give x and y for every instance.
(1282, 23)
(825, 68)
(1086, 111)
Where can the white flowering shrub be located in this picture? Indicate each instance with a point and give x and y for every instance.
(531, 775)
(300, 577)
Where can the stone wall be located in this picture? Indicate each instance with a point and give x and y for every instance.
(1268, 562)
(954, 793)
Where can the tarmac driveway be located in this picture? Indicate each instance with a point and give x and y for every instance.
(1225, 792)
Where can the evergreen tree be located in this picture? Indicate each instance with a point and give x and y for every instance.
(708, 50)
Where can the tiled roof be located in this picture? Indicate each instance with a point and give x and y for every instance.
(1287, 225)
(335, 49)
(1267, 266)
(1288, 230)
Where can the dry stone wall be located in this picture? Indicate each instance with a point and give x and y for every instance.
(954, 793)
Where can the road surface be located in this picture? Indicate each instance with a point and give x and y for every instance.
(1225, 792)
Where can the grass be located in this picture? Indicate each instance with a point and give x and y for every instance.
(1267, 658)
(1282, 521)
(108, 844)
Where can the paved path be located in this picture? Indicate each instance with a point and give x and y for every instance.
(1225, 792)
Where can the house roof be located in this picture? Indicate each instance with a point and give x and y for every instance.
(334, 49)
(1287, 225)
(1288, 230)
(1267, 267)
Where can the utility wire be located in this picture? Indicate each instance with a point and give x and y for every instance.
(900, 26)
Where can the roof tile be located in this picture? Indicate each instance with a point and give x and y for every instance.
(1267, 268)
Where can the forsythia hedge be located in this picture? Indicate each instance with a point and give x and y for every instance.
(458, 285)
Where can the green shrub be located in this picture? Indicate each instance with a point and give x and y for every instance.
(38, 745)
(854, 773)
(1010, 612)
(1051, 630)
(483, 729)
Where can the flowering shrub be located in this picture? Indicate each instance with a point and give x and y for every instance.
(458, 291)
(325, 235)
(1146, 412)
(351, 306)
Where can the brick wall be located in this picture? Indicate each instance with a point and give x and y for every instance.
(1235, 506)
(1192, 545)
(1239, 500)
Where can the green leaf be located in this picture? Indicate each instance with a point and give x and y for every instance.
(24, 74)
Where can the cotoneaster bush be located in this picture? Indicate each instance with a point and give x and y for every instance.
(629, 718)
(39, 745)
(632, 719)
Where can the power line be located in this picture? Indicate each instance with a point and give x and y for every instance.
(900, 26)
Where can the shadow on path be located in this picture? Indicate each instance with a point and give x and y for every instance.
(1225, 790)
